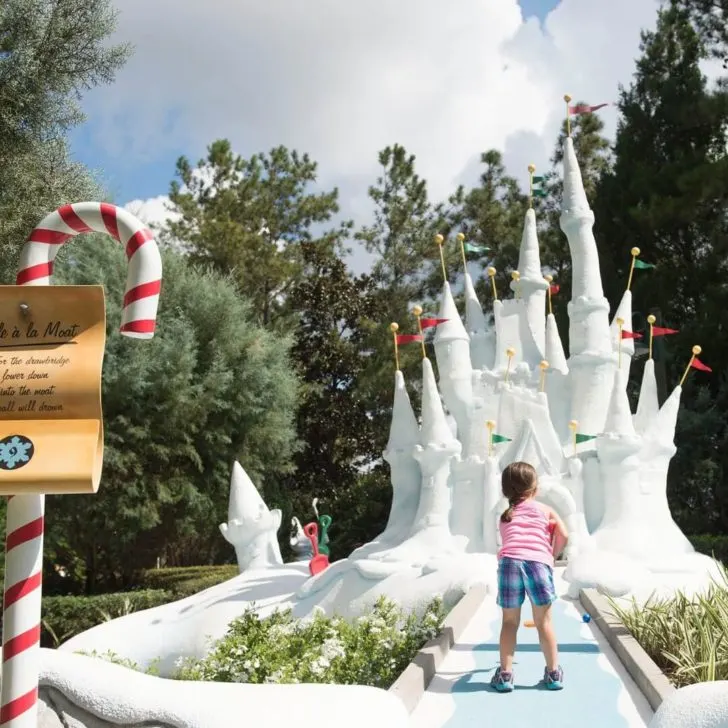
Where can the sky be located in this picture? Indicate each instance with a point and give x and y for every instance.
(342, 80)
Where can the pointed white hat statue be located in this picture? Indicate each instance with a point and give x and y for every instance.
(251, 528)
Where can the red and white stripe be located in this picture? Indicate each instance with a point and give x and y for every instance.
(144, 279)
(24, 541)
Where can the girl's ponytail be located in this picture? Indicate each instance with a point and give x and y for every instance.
(508, 513)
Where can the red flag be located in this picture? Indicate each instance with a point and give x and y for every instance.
(554, 289)
(659, 331)
(630, 335)
(697, 364)
(408, 338)
(428, 323)
(584, 109)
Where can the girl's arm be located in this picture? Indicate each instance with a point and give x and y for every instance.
(560, 535)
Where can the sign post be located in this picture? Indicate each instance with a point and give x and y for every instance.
(51, 432)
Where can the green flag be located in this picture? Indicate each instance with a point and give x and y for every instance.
(584, 438)
(500, 438)
(469, 248)
(642, 266)
(536, 188)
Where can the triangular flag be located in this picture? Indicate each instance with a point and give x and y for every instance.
(501, 438)
(630, 335)
(697, 364)
(408, 338)
(641, 265)
(585, 109)
(428, 323)
(584, 438)
(659, 331)
(554, 289)
(470, 248)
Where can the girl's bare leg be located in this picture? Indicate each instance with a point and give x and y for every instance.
(509, 632)
(546, 636)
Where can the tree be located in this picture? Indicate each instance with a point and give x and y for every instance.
(211, 387)
(50, 52)
(710, 18)
(249, 217)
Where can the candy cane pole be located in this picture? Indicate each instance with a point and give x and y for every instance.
(24, 541)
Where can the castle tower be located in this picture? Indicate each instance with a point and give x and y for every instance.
(452, 349)
(592, 360)
(623, 313)
(648, 405)
(406, 477)
(482, 336)
(531, 282)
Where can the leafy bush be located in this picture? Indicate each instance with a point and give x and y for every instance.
(687, 637)
(711, 545)
(64, 617)
(373, 650)
(184, 581)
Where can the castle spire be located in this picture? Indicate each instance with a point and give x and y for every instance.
(482, 336)
(404, 432)
(662, 427)
(453, 329)
(623, 313)
(435, 429)
(554, 348)
(648, 405)
(474, 316)
(619, 414)
(245, 501)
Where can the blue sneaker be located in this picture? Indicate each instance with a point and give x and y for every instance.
(502, 681)
(553, 679)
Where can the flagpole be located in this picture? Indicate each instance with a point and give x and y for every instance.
(548, 280)
(461, 239)
(417, 311)
(439, 239)
(696, 350)
(635, 252)
(567, 98)
(516, 276)
(491, 275)
(651, 321)
(544, 365)
(491, 426)
(510, 353)
(394, 327)
(620, 323)
(573, 425)
(531, 170)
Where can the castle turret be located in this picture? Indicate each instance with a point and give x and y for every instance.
(623, 314)
(648, 405)
(531, 284)
(482, 335)
(557, 379)
(592, 360)
(452, 349)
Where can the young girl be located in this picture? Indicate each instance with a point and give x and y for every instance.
(531, 535)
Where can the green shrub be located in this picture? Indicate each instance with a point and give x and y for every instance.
(185, 581)
(687, 637)
(711, 545)
(65, 617)
(373, 650)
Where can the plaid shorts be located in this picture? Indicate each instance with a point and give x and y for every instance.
(517, 578)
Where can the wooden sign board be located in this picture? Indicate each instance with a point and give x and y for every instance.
(52, 341)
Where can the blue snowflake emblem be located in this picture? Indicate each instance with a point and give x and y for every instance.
(15, 451)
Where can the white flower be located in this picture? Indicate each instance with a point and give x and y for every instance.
(332, 648)
(319, 665)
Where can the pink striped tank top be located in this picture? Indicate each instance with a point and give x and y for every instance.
(527, 536)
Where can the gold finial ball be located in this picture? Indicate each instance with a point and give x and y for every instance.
(544, 364)
(573, 424)
(531, 168)
(490, 424)
(620, 322)
(491, 271)
(567, 98)
(635, 252)
(651, 319)
(510, 351)
(697, 349)
(439, 239)
(460, 237)
(394, 326)
(417, 310)
(548, 279)
(515, 275)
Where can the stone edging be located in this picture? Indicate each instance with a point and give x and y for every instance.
(412, 683)
(649, 678)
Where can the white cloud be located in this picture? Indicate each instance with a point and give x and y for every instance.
(341, 80)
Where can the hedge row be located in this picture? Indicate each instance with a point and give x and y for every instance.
(712, 546)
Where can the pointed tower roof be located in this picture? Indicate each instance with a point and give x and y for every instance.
(619, 415)
(554, 348)
(529, 260)
(404, 432)
(574, 197)
(435, 429)
(245, 501)
(624, 312)
(662, 427)
(648, 405)
(474, 316)
(453, 329)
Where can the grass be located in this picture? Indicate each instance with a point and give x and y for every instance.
(687, 637)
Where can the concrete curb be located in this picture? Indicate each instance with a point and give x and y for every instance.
(412, 683)
(649, 678)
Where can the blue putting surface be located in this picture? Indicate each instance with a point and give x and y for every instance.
(589, 698)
